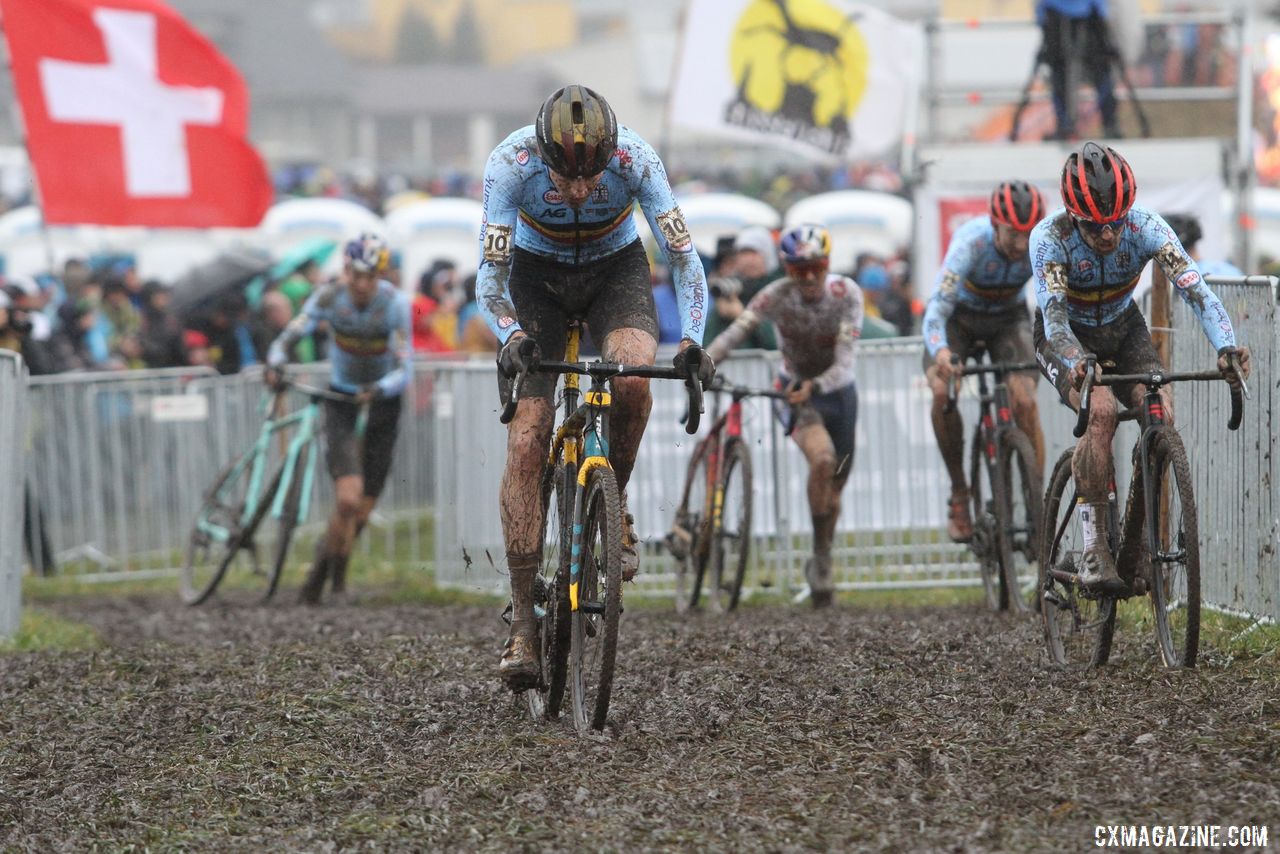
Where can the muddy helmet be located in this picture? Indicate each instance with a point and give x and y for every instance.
(577, 132)
(1016, 204)
(1097, 184)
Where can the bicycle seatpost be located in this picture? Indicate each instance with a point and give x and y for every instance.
(1086, 391)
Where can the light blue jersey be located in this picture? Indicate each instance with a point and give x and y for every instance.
(975, 276)
(368, 345)
(523, 208)
(1077, 285)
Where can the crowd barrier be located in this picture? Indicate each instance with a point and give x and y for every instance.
(13, 434)
(119, 464)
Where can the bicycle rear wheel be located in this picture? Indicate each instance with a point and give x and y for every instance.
(594, 635)
(690, 538)
(551, 593)
(217, 539)
(1078, 628)
(1018, 504)
(983, 545)
(1175, 562)
(731, 536)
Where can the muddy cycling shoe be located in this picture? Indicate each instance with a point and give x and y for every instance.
(630, 557)
(1097, 573)
(817, 571)
(959, 524)
(519, 667)
(311, 589)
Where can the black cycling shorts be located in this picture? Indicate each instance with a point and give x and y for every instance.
(343, 445)
(1007, 337)
(610, 293)
(1122, 346)
(836, 411)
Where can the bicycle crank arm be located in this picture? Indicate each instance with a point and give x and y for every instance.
(595, 608)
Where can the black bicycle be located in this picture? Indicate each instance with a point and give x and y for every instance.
(1157, 544)
(1005, 486)
(578, 594)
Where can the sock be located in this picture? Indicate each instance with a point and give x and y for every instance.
(1091, 519)
(523, 569)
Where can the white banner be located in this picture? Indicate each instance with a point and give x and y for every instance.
(826, 77)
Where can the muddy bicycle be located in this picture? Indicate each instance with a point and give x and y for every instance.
(1156, 542)
(1005, 485)
(578, 593)
(710, 537)
(224, 533)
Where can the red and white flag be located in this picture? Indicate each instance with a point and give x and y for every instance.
(132, 117)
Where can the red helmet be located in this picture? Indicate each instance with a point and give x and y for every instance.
(1016, 204)
(1097, 184)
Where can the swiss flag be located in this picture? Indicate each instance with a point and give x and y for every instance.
(132, 117)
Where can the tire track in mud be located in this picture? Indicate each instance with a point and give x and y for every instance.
(241, 726)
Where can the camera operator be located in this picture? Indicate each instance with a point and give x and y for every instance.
(726, 296)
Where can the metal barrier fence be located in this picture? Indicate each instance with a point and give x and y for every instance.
(1233, 473)
(13, 432)
(893, 514)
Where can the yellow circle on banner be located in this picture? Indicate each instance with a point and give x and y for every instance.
(802, 59)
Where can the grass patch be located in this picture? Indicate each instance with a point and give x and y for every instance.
(43, 630)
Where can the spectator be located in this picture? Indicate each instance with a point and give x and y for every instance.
(299, 284)
(126, 324)
(81, 322)
(475, 337)
(198, 352)
(664, 300)
(272, 317)
(161, 336)
(1082, 25)
(727, 306)
(44, 346)
(1187, 227)
(873, 278)
(754, 261)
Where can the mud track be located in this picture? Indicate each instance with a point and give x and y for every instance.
(241, 727)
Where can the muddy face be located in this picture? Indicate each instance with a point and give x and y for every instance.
(575, 191)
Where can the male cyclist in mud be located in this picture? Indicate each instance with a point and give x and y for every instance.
(818, 317)
(1086, 260)
(980, 297)
(558, 241)
(370, 355)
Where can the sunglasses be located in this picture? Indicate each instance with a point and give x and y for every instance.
(1094, 228)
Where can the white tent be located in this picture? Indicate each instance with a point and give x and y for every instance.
(712, 215)
(27, 249)
(291, 222)
(427, 230)
(859, 221)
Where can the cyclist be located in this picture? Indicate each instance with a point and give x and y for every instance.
(370, 354)
(558, 241)
(818, 317)
(980, 296)
(1086, 260)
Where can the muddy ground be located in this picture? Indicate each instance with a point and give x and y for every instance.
(241, 727)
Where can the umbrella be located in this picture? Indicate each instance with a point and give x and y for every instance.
(203, 284)
(316, 249)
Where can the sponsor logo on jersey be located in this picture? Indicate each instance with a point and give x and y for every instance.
(506, 322)
(553, 197)
(624, 157)
(600, 193)
(837, 286)
(522, 156)
(1188, 279)
(1084, 266)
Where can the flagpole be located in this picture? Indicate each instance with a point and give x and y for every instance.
(664, 136)
(21, 125)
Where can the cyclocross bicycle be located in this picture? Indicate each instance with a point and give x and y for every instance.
(234, 508)
(578, 596)
(1157, 548)
(1006, 508)
(712, 528)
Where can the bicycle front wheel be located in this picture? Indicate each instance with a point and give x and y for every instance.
(983, 544)
(594, 635)
(217, 539)
(1175, 562)
(1018, 505)
(551, 593)
(731, 537)
(1078, 627)
(690, 538)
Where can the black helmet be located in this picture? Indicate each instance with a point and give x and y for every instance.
(577, 132)
(1097, 184)
(1016, 204)
(1187, 227)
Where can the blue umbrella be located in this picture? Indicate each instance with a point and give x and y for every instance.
(316, 249)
